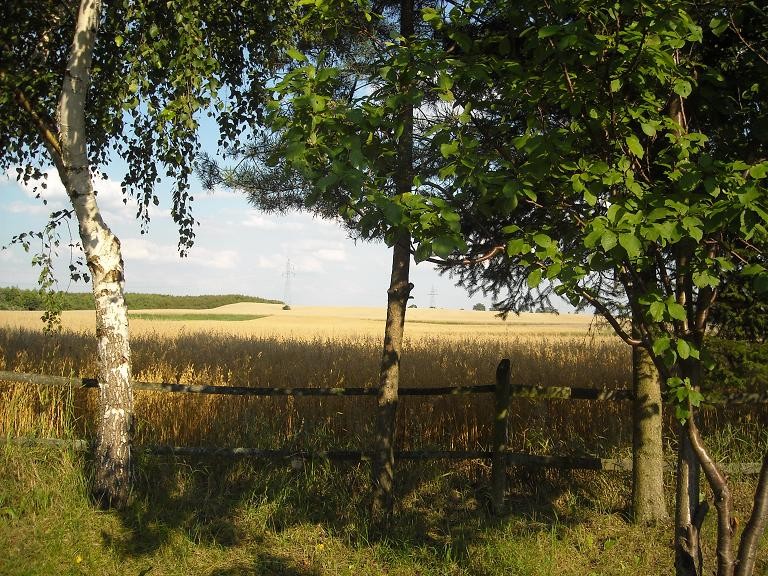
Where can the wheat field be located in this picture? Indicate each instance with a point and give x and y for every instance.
(326, 347)
(310, 322)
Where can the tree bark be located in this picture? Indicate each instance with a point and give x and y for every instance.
(689, 515)
(755, 527)
(648, 502)
(397, 303)
(112, 453)
(389, 380)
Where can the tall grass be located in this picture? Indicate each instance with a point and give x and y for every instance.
(223, 517)
(456, 422)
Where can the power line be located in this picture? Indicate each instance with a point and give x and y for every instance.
(288, 274)
(433, 297)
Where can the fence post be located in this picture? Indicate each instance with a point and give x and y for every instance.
(500, 435)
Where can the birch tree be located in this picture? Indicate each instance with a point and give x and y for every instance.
(82, 81)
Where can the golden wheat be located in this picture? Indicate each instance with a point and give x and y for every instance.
(326, 348)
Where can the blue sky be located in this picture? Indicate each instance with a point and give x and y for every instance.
(237, 250)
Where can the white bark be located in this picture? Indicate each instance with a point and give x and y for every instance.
(102, 250)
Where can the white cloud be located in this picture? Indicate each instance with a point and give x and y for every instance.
(256, 220)
(332, 254)
(143, 249)
(34, 209)
(219, 259)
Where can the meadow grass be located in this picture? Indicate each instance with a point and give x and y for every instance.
(230, 517)
(195, 317)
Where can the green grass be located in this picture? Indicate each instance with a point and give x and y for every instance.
(223, 517)
(186, 317)
(238, 518)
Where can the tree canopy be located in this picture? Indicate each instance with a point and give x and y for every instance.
(158, 70)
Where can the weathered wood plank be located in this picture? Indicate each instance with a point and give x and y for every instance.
(542, 392)
(512, 458)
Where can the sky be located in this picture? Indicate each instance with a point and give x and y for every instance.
(237, 250)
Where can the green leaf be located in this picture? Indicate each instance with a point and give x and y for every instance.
(683, 349)
(296, 55)
(648, 129)
(443, 246)
(517, 246)
(608, 240)
(657, 310)
(634, 146)
(759, 171)
(449, 149)
(695, 397)
(631, 244)
(676, 311)
(661, 345)
(534, 278)
(446, 96)
(718, 25)
(548, 31)
(542, 240)
(423, 251)
(393, 213)
(682, 413)
(119, 40)
(592, 238)
(682, 88)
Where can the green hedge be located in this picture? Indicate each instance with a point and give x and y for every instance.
(18, 299)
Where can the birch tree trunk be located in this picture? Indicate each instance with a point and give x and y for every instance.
(112, 455)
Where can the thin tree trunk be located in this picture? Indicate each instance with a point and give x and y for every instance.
(723, 501)
(689, 512)
(112, 457)
(389, 379)
(397, 303)
(755, 527)
(689, 515)
(648, 502)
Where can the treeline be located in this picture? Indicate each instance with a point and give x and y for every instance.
(20, 299)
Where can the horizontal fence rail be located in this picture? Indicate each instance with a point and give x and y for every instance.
(511, 458)
(518, 391)
(500, 455)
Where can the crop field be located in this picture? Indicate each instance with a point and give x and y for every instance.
(318, 347)
(217, 517)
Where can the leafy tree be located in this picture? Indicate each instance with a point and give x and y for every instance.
(346, 144)
(479, 306)
(71, 98)
(584, 147)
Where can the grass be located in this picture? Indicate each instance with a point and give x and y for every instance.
(196, 317)
(215, 518)
(229, 517)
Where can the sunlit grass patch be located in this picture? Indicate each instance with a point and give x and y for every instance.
(195, 317)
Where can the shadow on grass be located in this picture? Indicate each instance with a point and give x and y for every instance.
(267, 565)
(442, 510)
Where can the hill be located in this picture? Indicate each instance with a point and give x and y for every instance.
(19, 299)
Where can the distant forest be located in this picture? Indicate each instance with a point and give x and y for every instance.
(19, 299)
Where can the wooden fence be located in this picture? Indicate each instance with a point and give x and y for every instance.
(500, 455)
